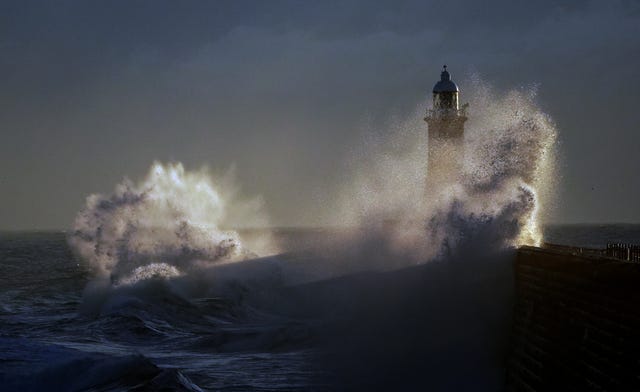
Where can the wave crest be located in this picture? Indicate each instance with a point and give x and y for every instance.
(172, 218)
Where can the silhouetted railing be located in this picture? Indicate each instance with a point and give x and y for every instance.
(447, 113)
(623, 251)
(616, 250)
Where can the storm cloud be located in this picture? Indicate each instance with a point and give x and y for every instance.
(285, 91)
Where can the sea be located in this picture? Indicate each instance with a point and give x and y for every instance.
(264, 325)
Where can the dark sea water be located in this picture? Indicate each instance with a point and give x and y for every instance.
(263, 325)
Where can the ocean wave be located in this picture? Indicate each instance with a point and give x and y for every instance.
(37, 366)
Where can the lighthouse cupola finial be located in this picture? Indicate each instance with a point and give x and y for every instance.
(444, 75)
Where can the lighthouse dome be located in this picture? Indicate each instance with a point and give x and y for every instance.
(445, 85)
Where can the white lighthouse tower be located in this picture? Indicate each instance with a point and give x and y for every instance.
(446, 133)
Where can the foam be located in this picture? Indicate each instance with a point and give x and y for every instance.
(162, 225)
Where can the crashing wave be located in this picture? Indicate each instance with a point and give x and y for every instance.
(160, 226)
(494, 202)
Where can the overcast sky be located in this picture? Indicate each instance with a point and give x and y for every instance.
(92, 91)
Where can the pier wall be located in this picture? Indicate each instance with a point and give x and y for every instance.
(576, 323)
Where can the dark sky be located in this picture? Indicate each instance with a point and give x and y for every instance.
(92, 91)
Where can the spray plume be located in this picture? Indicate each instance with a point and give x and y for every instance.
(163, 225)
(172, 220)
(495, 201)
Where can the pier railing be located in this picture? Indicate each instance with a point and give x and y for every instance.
(616, 250)
(623, 251)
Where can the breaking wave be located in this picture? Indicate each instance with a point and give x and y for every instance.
(495, 201)
(163, 226)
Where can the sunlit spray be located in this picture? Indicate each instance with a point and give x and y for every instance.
(494, 199)
(171, 221)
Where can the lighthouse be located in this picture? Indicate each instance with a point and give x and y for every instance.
(446, 133)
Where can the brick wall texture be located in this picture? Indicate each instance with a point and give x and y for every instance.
(576, 323)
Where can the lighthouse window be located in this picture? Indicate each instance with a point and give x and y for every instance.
(446, 99)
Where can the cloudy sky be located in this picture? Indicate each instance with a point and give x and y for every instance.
(92, 91)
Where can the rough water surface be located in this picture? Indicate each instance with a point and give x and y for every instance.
(261, 333)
